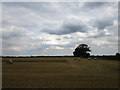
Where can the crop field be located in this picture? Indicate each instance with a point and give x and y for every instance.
(65, 72)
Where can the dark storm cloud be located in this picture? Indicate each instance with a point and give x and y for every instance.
(103, 23)
(96, 5)
(68, 27)
(74, 26)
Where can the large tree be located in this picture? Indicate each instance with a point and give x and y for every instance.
(82, 51)
(118, 56)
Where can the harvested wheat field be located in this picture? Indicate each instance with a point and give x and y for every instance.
(65, 72)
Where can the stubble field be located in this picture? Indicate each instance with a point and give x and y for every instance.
(67, 72)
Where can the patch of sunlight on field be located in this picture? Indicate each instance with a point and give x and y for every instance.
(53, 74)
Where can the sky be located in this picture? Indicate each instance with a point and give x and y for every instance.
(57, 28)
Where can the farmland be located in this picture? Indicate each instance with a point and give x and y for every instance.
(65, 72)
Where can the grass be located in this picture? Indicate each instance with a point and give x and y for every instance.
(67, 73)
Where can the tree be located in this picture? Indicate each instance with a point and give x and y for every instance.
(118, 55)
(82, 51)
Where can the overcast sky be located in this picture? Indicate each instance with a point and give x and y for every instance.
(57, 28)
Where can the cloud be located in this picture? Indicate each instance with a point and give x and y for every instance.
(96, 34)
(102, 23)
(13, 32)
(68, 26)
(93, 5)
(56, 28)
(74, 25)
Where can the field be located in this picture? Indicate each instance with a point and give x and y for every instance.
(65, 72)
